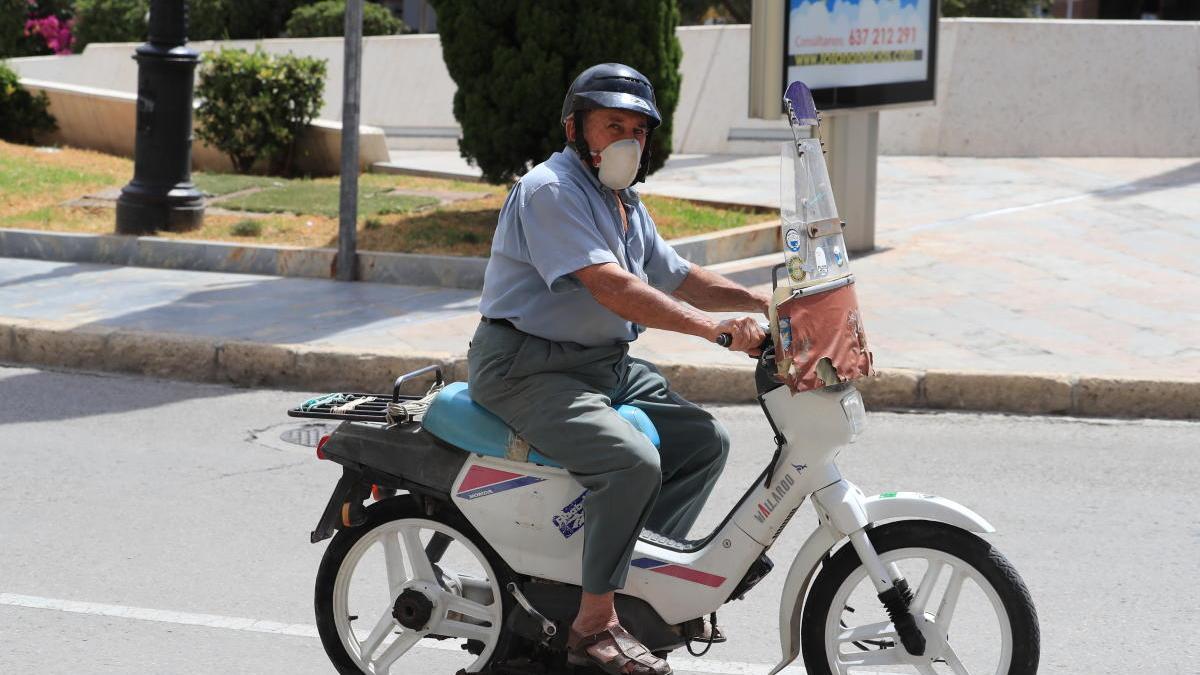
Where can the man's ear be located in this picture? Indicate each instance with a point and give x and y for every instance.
(569, 128)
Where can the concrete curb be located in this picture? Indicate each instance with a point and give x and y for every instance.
(56, 344)
(408, 269)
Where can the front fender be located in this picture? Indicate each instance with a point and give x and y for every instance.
(880, 508)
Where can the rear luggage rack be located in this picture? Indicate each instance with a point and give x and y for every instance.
(381, 408)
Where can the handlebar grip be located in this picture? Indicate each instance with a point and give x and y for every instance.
(724, 339)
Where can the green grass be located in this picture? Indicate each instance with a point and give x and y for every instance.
(22, 177)
(321, 198)
(227, 183)
(35, 186)
(44, 214)
(678, 218)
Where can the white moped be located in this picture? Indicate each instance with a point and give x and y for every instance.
(482, 551)
(474, 543)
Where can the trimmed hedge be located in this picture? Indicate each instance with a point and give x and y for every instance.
(328, 18)
(239, 19)
(110, 21)
(125, 20)
(254, 105)
(514, 60)
(1020, 9)
(23, 116)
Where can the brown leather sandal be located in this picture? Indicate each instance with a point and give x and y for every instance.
(629, 650)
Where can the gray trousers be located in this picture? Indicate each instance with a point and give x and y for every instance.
(559, 397)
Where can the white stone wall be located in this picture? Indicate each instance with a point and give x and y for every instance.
(1045, 88)
(1005, 88)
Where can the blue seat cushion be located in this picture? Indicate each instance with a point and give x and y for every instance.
(456, 419)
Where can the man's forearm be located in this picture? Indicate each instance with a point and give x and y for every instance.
(634, 300)
(714, 293)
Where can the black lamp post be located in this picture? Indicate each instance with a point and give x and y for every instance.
(161, 195)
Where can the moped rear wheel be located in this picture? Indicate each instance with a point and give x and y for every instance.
(408, 593)
(963, 588)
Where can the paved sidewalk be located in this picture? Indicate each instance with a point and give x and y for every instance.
(1073, 267)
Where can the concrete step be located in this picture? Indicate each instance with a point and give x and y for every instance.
(754, 271)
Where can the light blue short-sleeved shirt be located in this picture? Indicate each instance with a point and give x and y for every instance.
(558, 219)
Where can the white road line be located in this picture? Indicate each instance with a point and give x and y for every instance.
(686, 663)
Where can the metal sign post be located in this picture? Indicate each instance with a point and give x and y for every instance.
(857, 58)
(347, 256)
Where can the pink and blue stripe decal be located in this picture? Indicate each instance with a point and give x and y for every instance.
(481, 481)
(678, 571)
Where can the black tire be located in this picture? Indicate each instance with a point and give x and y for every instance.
(969, 548)
(394, 508)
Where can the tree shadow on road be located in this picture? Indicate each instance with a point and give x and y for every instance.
(28, 395)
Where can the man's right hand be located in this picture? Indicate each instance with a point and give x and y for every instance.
(746, 331)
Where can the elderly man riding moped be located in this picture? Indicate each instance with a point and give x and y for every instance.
(577, 271)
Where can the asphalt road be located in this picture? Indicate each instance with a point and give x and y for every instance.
(147, 524)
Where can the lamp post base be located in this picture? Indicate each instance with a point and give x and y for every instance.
(145, 210)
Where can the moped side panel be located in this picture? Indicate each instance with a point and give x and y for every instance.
(533, 517)
(880, 508)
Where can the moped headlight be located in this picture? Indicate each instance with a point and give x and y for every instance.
(856, 413)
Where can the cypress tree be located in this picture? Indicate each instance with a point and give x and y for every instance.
(514, 59)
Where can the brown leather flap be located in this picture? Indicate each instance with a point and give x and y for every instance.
(822, 340)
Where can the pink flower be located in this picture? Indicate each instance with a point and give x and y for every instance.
(56, 33)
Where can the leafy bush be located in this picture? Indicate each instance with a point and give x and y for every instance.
(125, 20)
(246, 228)
(328, 18)
(110, 21)
(1015, 9)
(513, 62)
(253, 105)
(239, 19)
(23, 116)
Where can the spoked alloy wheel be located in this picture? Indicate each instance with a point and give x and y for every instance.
(972, 607)
(382, 603)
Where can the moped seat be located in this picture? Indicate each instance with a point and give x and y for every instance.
(456, 419)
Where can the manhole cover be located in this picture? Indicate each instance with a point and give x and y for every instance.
(306, 435)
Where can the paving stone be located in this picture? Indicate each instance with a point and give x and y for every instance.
(61, 345)
(1000, 392)
(1127, 397)
(891, 388)
(6, 343)
(711, 383)
(253, 364)
(322, 369)
(163, 355)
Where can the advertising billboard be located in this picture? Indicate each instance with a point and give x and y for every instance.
(858, 53)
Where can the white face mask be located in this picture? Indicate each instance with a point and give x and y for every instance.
(619, 163)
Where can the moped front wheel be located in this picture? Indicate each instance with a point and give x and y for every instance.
(408, 593)
(971, 605)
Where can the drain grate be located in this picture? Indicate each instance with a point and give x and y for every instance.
(306, 435)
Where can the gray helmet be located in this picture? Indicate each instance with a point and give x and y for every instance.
(611, 85)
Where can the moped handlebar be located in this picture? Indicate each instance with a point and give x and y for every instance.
(726, 339)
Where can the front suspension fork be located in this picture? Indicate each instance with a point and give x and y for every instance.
(842, 505)
(893, 591)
